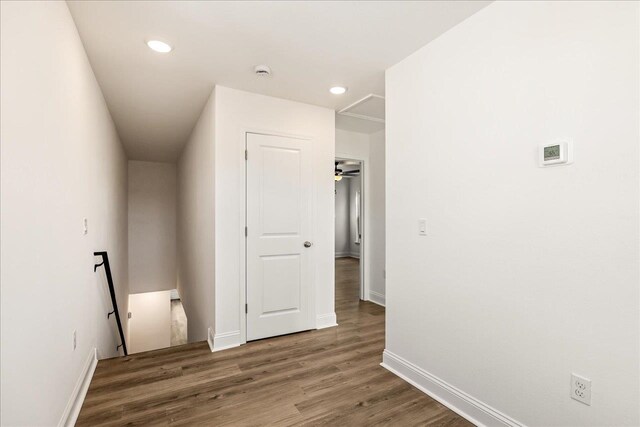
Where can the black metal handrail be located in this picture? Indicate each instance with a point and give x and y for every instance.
(107, 269)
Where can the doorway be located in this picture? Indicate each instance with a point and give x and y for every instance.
(156, 320)
(349, 229)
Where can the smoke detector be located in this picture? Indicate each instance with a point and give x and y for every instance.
(262, 71)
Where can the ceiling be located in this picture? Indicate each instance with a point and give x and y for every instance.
(371, 106)
(155, 99)
(354, 124)
(365, 115)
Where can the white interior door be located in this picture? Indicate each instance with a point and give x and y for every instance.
(279, 243)
(150, 323)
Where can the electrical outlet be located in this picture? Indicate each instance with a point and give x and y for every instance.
(581, 389)
(75, 342)
(85, 226)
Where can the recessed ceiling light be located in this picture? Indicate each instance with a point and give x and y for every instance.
(159, 46)
(338, 90)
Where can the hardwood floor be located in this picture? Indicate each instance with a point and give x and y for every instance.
(331, 377)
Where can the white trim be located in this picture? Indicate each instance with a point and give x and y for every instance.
(210, 339)
(363, 117)
(360, 101)
(226, 340)
(345, 110)
(347, 255)
(477, 412)
(327, 320)
(72, 410)
(377, 298)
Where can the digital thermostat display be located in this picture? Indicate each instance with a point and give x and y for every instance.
(559, 152)
(551, 152)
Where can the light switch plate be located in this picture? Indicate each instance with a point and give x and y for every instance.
(422, 227)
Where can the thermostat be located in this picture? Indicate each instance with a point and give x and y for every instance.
(556, 153)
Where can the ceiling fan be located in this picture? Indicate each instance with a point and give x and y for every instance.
(339, 173)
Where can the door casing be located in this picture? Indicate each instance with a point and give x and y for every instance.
(364, 291)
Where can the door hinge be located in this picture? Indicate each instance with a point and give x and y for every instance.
(246, 308)
(246, 154)
(246, 231)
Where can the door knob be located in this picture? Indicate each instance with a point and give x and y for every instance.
(307, 244)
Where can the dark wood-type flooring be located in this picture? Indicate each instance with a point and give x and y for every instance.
(330, 376)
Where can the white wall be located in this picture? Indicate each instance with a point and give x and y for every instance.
(527, 274)
(196, 219)
(150, 323)
(235, 113)
(346, 225)
(370, 149)
(152, 226)
(354, 188)
(376, 217)
(61, 161)
(342, 218)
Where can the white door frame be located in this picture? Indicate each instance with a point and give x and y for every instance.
(364, 285)
(243, 220)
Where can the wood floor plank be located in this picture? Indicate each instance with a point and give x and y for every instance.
(326, 377)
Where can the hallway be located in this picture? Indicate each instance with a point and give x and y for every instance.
(329, 376)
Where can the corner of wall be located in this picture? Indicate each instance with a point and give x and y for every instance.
(210, 339)
(225, 340)
(327, 320)
(195, 215)
(377, 297)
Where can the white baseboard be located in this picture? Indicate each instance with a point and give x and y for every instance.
(210, 339)
(477, 412)
(72, 410)
(326, 320)
(347, 255)
(225, 340)
(377, 298)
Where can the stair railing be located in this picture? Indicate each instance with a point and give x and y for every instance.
(107, 269)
